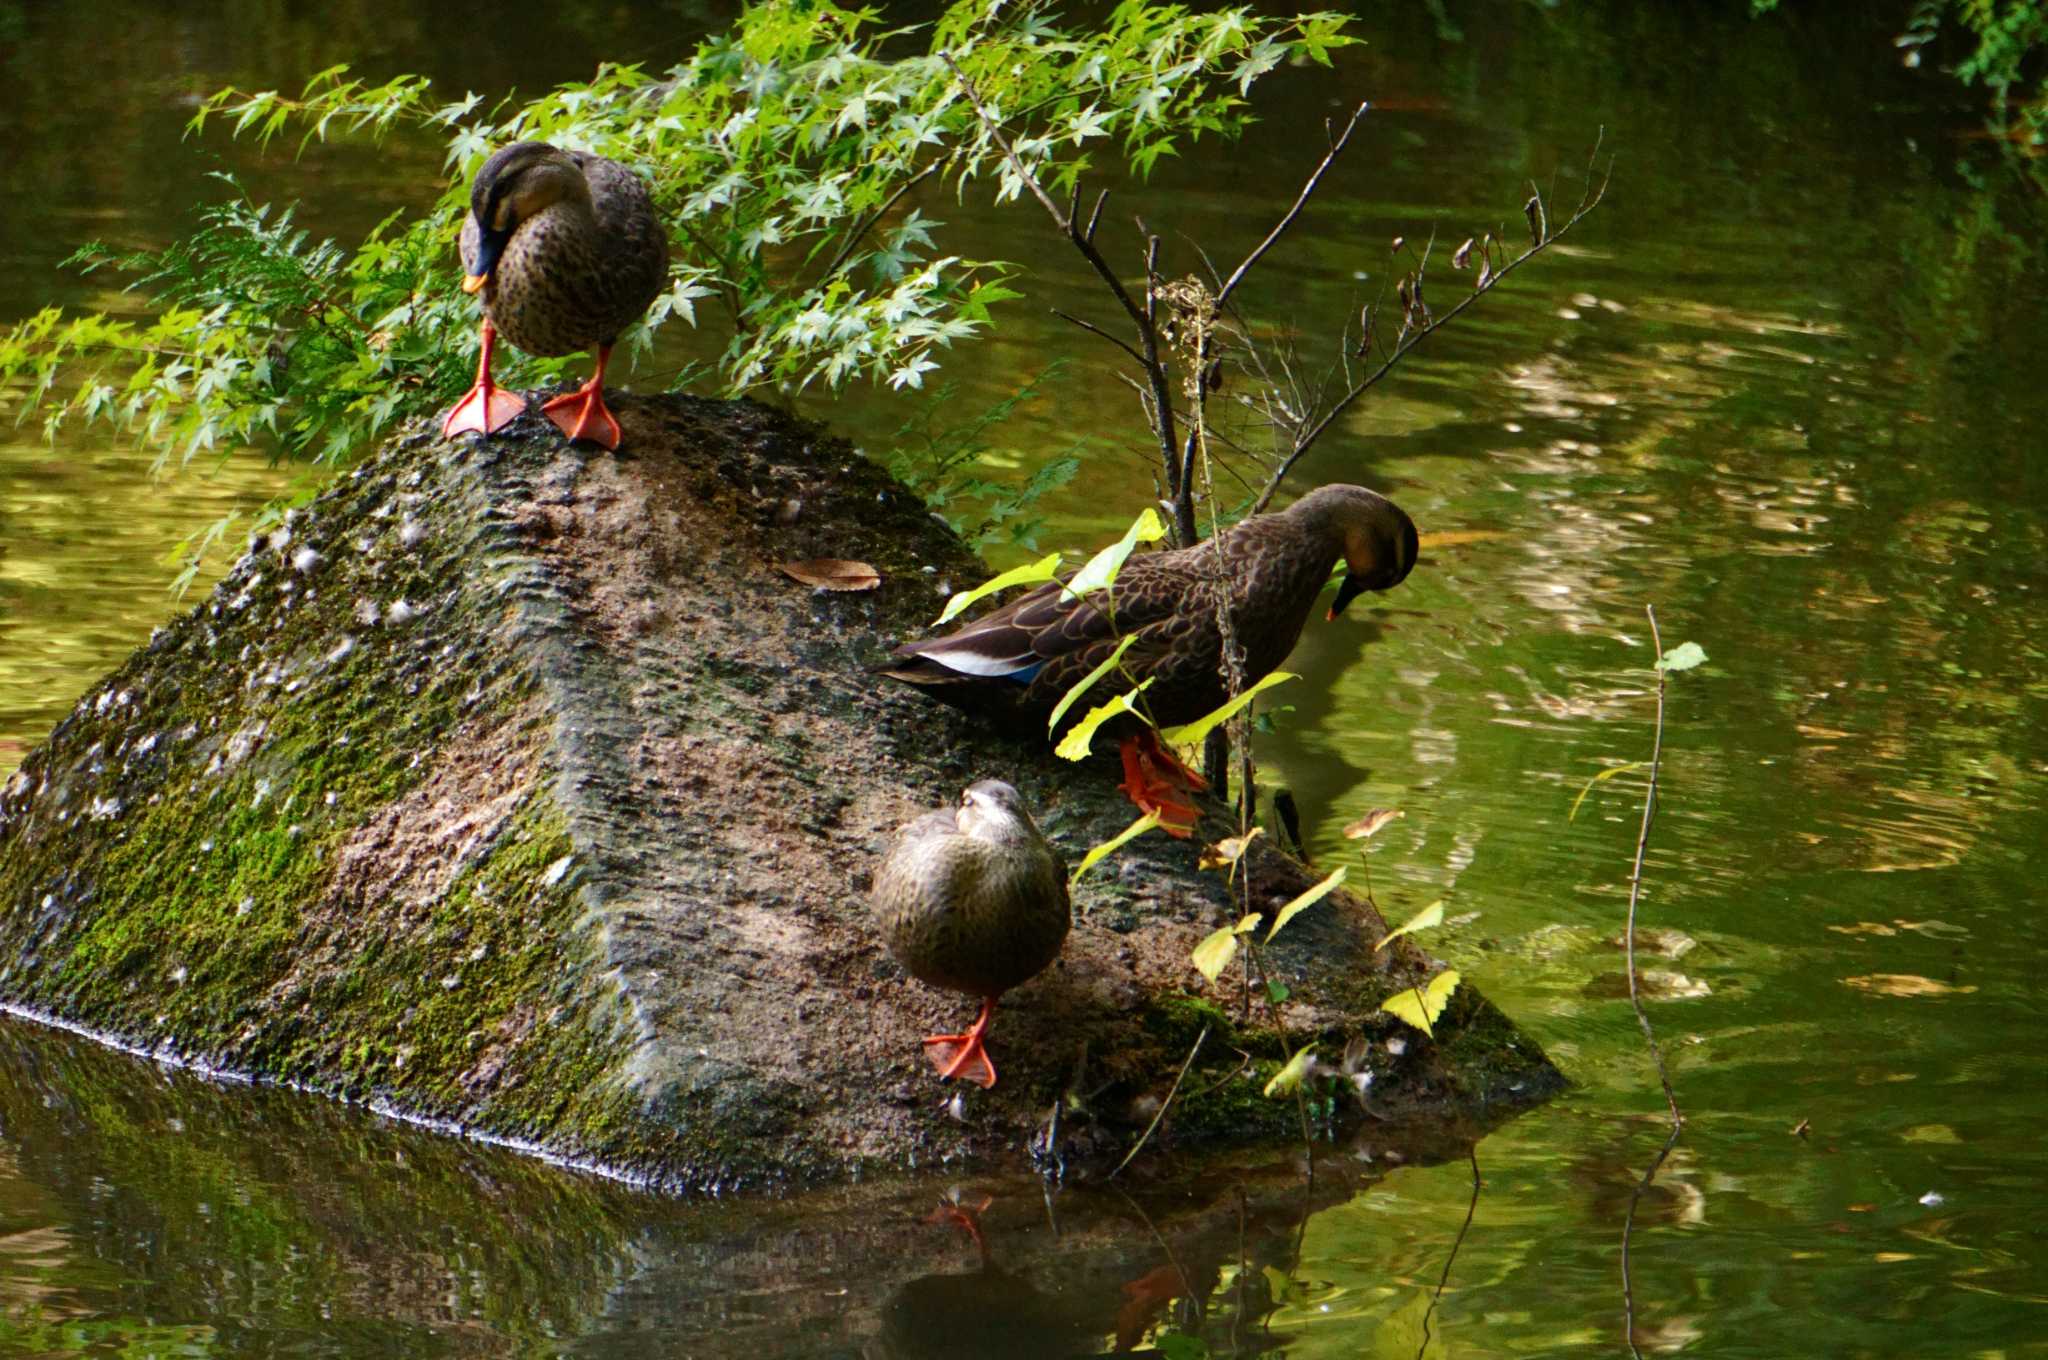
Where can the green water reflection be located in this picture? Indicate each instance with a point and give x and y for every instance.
(1786, 386)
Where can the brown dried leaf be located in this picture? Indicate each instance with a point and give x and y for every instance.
(832, 573)
(1372, 823)
(1227, 852)
(1462, 256)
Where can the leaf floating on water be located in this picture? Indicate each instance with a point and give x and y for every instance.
(1097, 854)
(1683, 657)
(1421, 1007)
(1905, 984)
(1030, 573)
(1430, 916)
(1305, 901)
(1450, 538)
(832, 573)
(1864, 928)
(1370, 825)
(1074, 745)
(1287, 1078)
(1228, 852)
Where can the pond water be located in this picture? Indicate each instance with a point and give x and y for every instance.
(1785, 386)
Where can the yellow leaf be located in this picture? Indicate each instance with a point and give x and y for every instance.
(1190, 734)
(1304, 902)
(1097, 854)
(1074, 745)
(1420, 1006)
(1283, 1289)
(1368, 826)
(1431, 915)
(1041, 570)
(1608, 773)
(1102, 568)
(1226, 852)
(1081, 686)
(1214, 953)
(1287, 1078)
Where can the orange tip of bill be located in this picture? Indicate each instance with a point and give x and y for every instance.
(472, 282)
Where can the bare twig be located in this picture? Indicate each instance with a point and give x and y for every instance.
(1635, 888)
(1094, 329)
(1635, 879)
(1443, 1281)
(1300, 201)
(1628, 1224)
(1083, 239)
(1410, 339)
(1164, 1105)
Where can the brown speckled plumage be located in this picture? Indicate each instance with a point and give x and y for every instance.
(1278, 563)
(587, 253)
(973, 899)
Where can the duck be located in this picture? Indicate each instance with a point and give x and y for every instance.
(972, 899)
(567, 251)
(1024, 656)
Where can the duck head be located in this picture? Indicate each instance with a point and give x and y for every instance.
(1375, 537)
(519, 181)
(991, 810)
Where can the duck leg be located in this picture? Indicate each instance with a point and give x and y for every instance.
(956, 1054)
(488, 407)
(1157, 782)
(582, 414)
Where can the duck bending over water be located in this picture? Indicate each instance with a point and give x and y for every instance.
(974, 900)
(567, 251)
(1027, 654)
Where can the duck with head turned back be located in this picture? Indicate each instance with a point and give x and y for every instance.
(1027, 654)
(567, 251)
(972, 899)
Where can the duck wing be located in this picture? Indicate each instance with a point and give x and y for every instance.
(631, 243)
(1049, 633)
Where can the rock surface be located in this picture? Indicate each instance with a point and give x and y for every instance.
(512, 785)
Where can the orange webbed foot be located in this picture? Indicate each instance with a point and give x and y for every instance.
(485, 409)
(582, 414)
(964, 1055)
(1159, 784)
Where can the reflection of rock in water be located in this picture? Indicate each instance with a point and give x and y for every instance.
(988, 1315)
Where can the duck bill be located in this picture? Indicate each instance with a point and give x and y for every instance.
(489, 246)
(1348, 589)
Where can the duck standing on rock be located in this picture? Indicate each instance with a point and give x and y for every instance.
(973, 900)
(567, 251)
(1026, 655)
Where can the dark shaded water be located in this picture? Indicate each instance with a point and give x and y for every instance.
(1785, 386)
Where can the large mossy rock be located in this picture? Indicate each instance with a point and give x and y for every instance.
(511, 785)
